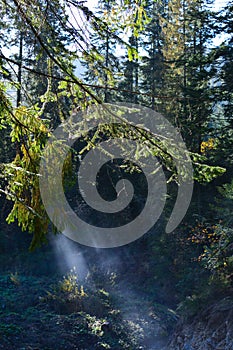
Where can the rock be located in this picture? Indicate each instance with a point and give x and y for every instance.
(210, 329)
(188, 347)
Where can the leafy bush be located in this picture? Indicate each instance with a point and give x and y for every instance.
(218, 257)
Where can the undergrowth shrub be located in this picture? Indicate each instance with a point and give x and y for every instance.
(70, 296)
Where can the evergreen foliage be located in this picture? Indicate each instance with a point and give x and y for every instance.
(166, 62)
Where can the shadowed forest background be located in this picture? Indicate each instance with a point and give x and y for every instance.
(164, 290)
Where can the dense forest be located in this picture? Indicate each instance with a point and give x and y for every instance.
(116, 182)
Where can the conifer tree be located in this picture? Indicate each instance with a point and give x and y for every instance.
(187, 35)
(103, 68)
(152, 60)
(130, 67)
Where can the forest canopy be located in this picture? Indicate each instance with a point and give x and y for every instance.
(59, 57)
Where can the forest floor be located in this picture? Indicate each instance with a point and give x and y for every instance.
(109, 303)
(44, 309)
(37, 315)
